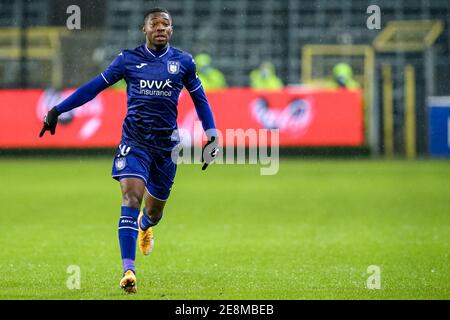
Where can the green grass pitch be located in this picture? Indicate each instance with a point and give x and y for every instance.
(309, 232)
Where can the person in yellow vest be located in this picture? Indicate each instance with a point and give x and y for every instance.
(343, 77)
(211, 78)
(265, 78)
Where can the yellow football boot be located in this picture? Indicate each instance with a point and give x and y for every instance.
(128, 282)
(145, 238)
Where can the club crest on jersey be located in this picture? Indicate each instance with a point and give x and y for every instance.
(120, 163)
(173, 67)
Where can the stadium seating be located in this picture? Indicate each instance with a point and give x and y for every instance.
(238, 34)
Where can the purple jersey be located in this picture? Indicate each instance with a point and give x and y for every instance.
(154, 83)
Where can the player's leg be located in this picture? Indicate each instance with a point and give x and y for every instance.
(153, 210)
(158, 187)
(132, 194)
(150, 216)
(130, 167)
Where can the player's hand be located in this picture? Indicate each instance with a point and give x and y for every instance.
(50, 122)
(210, 151)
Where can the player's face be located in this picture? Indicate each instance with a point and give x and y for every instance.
(158, 29)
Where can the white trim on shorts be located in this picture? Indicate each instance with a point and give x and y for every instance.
(154, 196)
(130, 174)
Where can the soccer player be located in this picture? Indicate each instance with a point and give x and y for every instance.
(155, 73)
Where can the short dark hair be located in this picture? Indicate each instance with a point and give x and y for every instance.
(155, 10)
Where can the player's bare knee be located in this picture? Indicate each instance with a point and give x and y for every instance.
(131, 199)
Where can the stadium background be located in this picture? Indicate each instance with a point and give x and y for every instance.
(326, 219)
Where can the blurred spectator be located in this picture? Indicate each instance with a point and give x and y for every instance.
(211, 78)
(343, 77)
(265, 77)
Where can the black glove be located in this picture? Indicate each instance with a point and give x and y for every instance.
(210, 151)
(50, 122)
